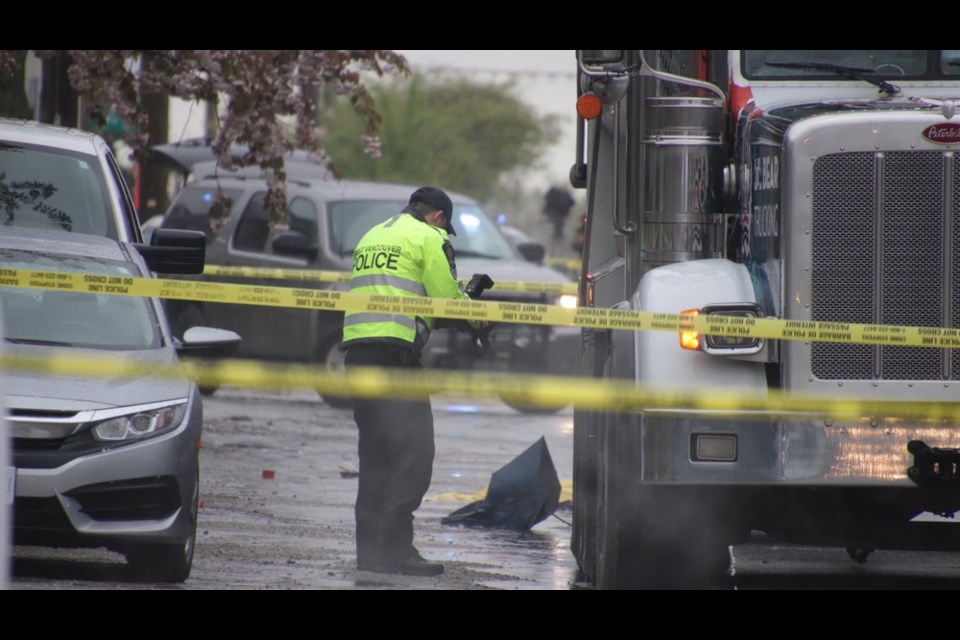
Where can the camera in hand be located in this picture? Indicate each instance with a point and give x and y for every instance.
(479, 283)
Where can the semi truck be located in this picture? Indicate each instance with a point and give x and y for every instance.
(815, 186)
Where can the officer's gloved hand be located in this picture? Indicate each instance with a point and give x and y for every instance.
(482, 338)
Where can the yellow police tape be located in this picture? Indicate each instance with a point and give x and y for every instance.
(526, 313)
(516, 312)
(313, 275)
(537, 391)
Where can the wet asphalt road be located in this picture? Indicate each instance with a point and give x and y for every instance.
(277, 491)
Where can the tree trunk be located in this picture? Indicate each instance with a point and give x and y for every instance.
(58, 100)
(154, 198)
(13, 96)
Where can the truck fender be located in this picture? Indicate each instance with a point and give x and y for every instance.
(691, 285)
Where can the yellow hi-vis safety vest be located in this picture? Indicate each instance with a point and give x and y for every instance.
(403, 256)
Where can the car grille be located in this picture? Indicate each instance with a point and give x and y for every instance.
(42, 521)
(23, 445)
(886, 250)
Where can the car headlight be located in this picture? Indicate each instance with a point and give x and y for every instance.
(567, 301)
(141, 424)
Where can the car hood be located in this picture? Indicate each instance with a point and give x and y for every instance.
(510, 269)
(68, 393)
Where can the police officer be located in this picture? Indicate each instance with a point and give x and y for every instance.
(408, 255)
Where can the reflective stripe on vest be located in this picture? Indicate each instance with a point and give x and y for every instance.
(382, 280)
(355, 319)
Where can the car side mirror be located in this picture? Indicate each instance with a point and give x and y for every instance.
(208, 342)
(294, 243)
(532, 251)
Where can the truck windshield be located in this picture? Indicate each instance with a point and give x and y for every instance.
(783, 64)
(950, 62)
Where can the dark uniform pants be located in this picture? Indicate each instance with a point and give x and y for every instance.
(396, 450)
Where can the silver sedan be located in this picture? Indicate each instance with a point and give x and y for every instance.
(100, 463)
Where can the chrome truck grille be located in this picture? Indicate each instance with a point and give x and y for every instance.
(886, 250)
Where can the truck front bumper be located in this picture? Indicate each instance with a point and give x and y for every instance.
(759, 448)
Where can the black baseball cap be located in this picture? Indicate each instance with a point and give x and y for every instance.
(438, 199)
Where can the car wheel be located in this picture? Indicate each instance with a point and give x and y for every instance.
(523, 406)
(191, 316)
(331, 356)
(167, 562)
(531, 363)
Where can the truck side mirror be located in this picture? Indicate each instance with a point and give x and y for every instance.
(175, 251)
(294, 243)
(597, 57)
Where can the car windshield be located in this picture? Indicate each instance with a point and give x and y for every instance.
(72, 319)
(53, 189)
(477, 235)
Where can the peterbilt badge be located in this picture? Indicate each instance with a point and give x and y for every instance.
(946, 133)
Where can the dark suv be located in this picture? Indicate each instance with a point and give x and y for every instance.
(327, 219)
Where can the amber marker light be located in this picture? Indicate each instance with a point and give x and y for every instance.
(589, 106)
(690, 340)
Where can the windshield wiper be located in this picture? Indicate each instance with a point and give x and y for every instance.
(850, 72)
(50, 343)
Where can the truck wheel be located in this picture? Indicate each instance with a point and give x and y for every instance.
(655, 545)
(651, 537)
(592, 355)
(191, 316)
(331, 356)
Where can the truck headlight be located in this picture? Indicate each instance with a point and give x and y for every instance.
(140, 424)
(690, 340)
(738, 342)
(567, 301)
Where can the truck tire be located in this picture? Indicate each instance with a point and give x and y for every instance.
(592, 354)
(657, 538)
(650, 536)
